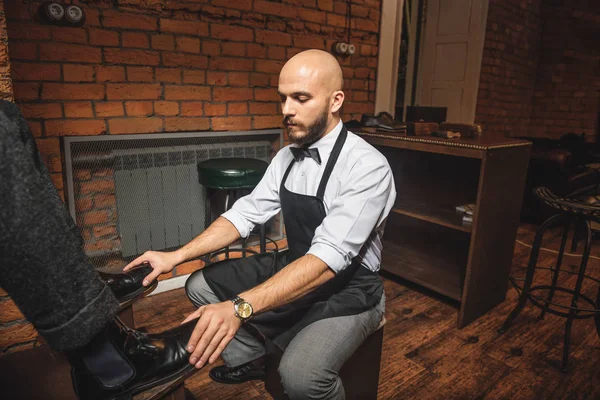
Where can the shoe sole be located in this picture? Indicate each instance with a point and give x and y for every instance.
(144, 291)
(234, 383)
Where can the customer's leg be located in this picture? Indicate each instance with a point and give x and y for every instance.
(310, 365)
(244, 347)
(42, 265)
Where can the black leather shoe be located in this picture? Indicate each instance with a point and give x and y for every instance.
(383, 121)
(128, 286)
(121, 362)
(252, 370)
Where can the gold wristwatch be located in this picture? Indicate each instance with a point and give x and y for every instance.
(243, 309)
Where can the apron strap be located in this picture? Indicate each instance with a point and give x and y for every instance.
(287, 172)
(337, 149)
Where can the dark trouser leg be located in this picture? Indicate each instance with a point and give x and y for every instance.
(42, 265)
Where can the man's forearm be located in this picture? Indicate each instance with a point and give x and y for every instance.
(294, 281)
(219, 234)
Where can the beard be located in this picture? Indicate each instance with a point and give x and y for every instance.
(314, 131)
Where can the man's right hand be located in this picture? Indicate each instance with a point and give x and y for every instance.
(160, 262)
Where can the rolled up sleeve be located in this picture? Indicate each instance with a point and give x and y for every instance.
(354, 213)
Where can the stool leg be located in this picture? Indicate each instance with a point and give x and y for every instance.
(559, 260)
(227, 208)
(535, 252)
(580, 277)
(263, 240)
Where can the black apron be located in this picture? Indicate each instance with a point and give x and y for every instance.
(352, 291)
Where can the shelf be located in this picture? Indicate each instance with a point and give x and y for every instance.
(441, 216)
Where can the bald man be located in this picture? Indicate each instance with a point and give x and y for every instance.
(319, 299)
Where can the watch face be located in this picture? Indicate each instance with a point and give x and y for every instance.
(244, 310)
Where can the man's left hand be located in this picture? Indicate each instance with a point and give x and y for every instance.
(216, 326)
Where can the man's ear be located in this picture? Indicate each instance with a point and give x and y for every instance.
(337, 99)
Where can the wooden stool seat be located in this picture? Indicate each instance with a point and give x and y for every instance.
(360, 373)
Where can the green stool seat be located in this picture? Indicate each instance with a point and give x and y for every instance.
(231, 173)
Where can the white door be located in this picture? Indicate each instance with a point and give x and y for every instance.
(450, 65)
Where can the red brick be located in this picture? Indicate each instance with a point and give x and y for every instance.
(188, 45)
(83, 175)
(273, 67)
(166, 108)
(131, 57)
(212, 110)
(196, 28)
(97, 186)
(232, 94)
(96, 217)
(194, 76)
(140, 74)
(23, 50)
(66, 127)
(20, 30)
(336, 20)
(178, 124)
(234, 49)
(78, 73)
(35, 72)
(264, 122)
(135, 39)
(184, 60)
(192, 109)
(84, 204)
(41, 110)
(229, 32)
(211, 48)
(238, 78)
(259, 79)
(104, 231)
(274, 80)
(110, 74)
(231, 123)
(72, 91)
(263, 108)
(340, 8)
(256, 50)
(92, 17)
(69, 34)
(70, 52)
(133, 91)
(103, 37)
(237, 109)
(78, 110)
(281, 10)
(326, 5)
(36, 128)
(163, 42)
(277, 53)
(16, 10)
(270, 37)
(231, 64)
(360, 11)
(216, 78)
(138, 108)
(105, 200)
(318, 17)
(170, 75)
(187, 92)
(135, 125)
(266, 94)
(17, 333)
(134, 21)
(309, 42)
(367, 25)
(237, 4)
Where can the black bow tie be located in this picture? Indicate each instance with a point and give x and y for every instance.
(300, 153)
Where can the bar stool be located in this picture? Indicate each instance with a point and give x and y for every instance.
(571, 213)
(235, 176)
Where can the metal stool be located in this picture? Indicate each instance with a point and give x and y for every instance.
(234, 176)
(575, 214)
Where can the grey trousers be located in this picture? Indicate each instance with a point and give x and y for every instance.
(42, 265)
(311, 362)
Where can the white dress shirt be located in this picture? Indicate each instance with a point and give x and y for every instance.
(358, 197)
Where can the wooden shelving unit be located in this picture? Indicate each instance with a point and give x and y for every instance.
(426, 241)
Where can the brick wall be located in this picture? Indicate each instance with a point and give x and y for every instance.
(509, 67)
(6, 91)
(149, 66)
(568, 77)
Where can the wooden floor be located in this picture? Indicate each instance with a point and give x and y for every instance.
(426, 357)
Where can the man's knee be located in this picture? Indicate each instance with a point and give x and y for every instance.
(198, 290)
(303, 381)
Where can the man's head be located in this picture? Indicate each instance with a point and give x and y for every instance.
(310, 88)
